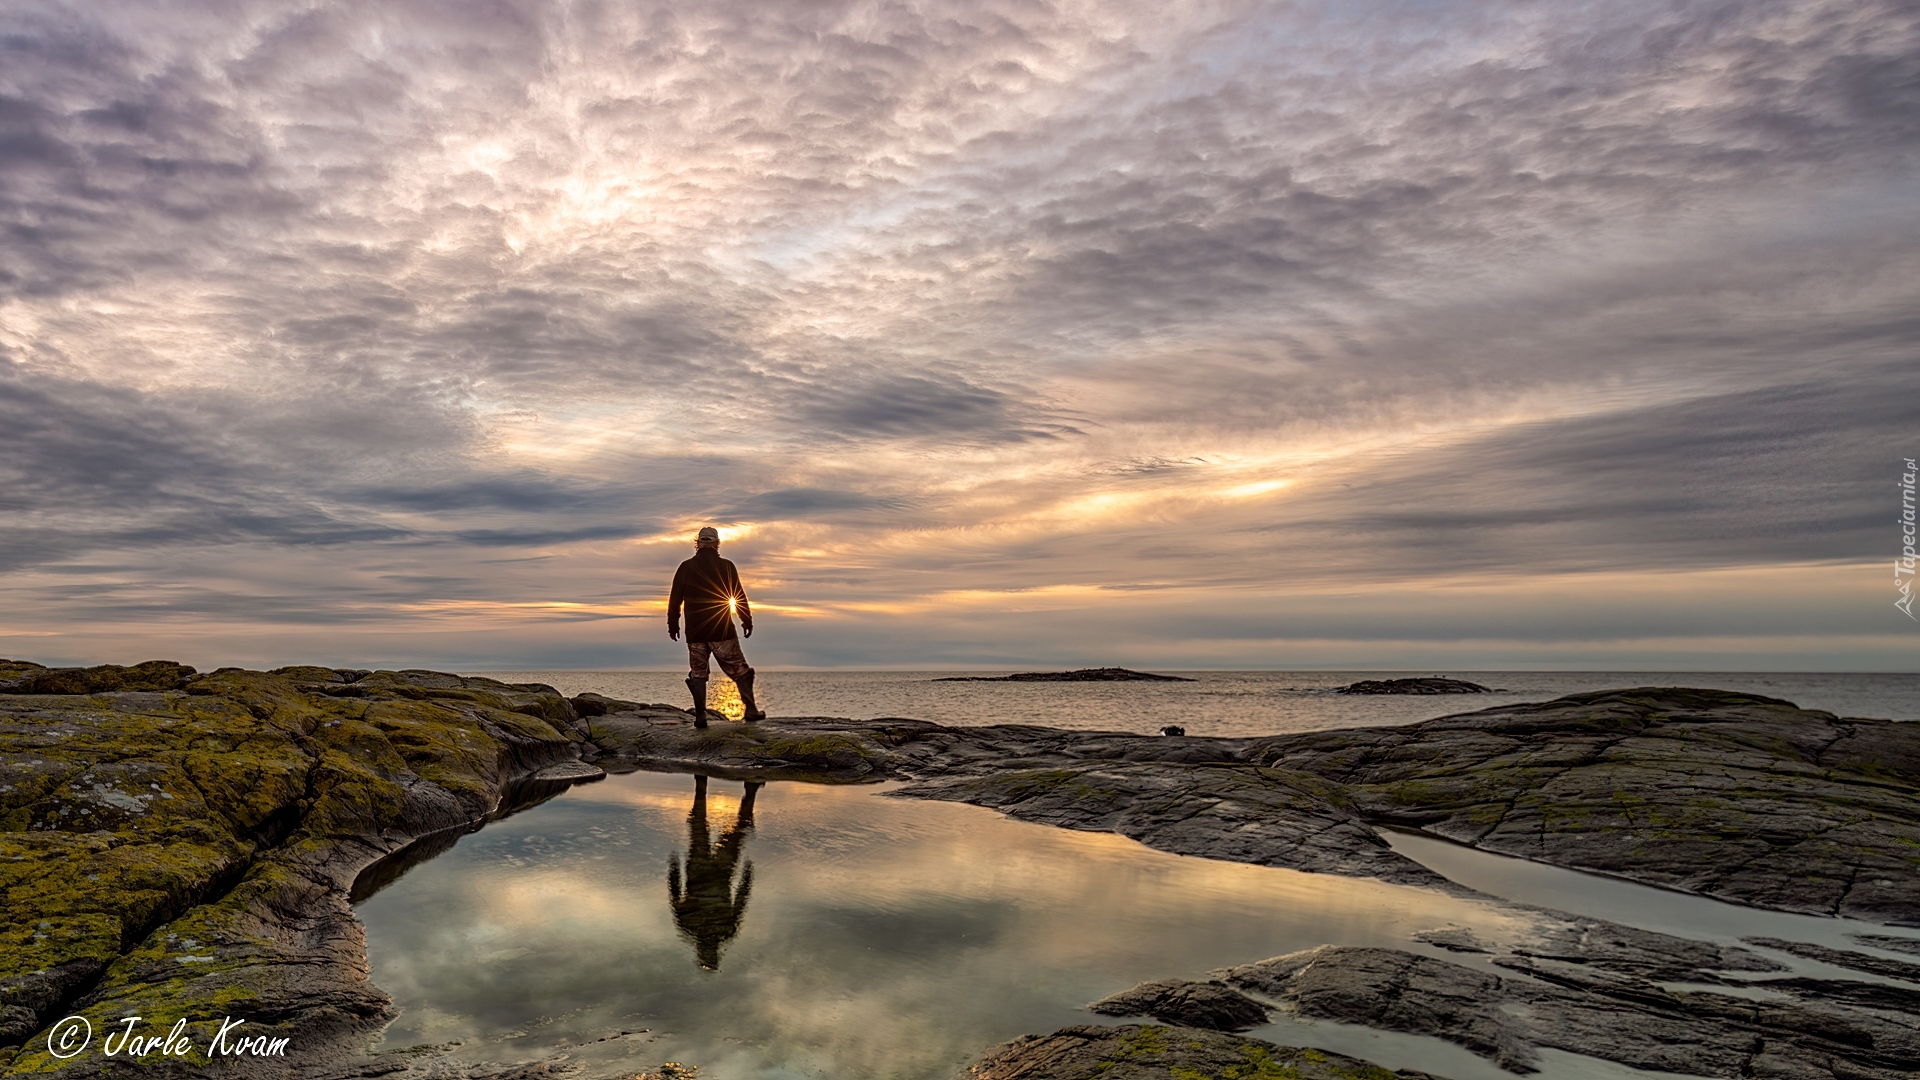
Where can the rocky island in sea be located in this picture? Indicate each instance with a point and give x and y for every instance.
(1101, 674)
(1431, 685)
(176, 843)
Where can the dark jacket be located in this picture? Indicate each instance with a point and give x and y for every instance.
(704, 584)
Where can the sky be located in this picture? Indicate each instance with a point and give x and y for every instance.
(1388, 334)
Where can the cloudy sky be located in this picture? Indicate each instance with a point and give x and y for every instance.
(1383, 333)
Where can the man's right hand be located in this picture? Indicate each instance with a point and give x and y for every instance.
(672, 633)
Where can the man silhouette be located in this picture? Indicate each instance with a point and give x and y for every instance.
(707, 906)
(709, 586)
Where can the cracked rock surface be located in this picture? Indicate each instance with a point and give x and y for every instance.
(1733, 796)
(1803, 1029)
(1154, 1052)
(1212, 1005)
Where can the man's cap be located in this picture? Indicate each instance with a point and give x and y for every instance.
(708, 535)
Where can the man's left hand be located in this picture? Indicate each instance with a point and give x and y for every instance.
(747, 628)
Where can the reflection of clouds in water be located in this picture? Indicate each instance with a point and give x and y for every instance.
(557, 900)
(886, 936)
(664, 807)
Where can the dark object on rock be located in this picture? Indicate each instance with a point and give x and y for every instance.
(104, 679)
(1152, 1052)
(1092, 674)
(1212, 1005)
(1414, 686)
(1453, 939)
(1173, 729)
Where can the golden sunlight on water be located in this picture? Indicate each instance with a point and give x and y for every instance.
(723, 697)
(826, 930)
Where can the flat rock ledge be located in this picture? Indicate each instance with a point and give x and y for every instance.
(1211, 1005)
(1794, 1027)
(1156, 1052)
(1585, 986)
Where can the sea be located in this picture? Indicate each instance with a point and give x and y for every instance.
(1211, 703)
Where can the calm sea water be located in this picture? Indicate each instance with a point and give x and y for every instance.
(1223, 703)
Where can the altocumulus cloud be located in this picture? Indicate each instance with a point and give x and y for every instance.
(425, 332)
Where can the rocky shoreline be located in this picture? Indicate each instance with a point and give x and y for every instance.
(196, 849)
(192, 851)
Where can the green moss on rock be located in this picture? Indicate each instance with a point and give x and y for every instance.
(155, 826)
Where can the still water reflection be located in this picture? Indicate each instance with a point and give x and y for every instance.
(886, 937)
(709, 907)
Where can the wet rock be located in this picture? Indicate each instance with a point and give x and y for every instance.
(1858, 961)
(1262, 816)
(1453, 939)
(1212, 1005)
(1889, 942)
(1609, 946)
(1433, 685)
(1811, 1029)
(570, 772)
(1153, 1052)
(1396, 991)
(1734, 796)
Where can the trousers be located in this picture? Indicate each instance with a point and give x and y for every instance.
(731, 659)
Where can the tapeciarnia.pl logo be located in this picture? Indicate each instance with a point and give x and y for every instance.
(1903, 566)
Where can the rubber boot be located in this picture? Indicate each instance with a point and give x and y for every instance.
(699, 688)
(745, 683)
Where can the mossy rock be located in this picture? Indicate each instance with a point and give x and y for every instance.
(154, 825)
(17, 677)
(14, 669)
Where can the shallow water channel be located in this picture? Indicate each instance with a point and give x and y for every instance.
(838, 932)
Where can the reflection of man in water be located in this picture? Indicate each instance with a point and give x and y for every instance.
(708, 909)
